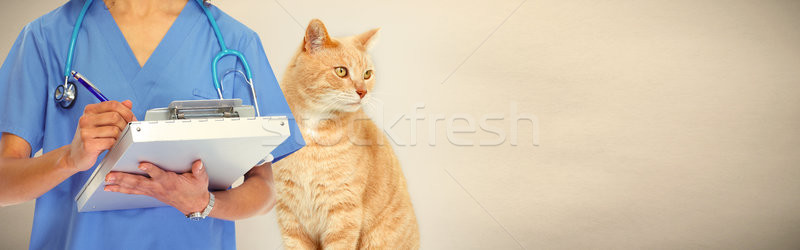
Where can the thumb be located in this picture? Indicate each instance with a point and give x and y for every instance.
(128, 104)
(198, 169)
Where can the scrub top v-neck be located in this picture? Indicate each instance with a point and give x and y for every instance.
(178, 69)
(143, 78)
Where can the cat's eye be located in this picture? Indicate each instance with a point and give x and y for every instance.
(341, 71)
(368, 75)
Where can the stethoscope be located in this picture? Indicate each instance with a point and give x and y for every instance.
(65, 94)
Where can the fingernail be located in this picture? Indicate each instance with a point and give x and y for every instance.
(110, 179)
(107, 189)
(142, 167)
(201, 166)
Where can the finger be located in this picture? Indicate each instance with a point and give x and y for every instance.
(110, 106)
(130, 181)
(124, 190)
(101, 132)
(98, 144)
(154, 171)
(92, 108)
(103, 107)
(107, 119)
(199, 170)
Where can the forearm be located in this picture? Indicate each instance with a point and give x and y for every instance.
(24, 179)
(254, 197)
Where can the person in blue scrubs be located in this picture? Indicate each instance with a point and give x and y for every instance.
(179, 68)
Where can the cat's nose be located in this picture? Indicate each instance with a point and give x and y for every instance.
(361, 93)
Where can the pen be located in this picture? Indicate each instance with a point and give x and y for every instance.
(86, 83)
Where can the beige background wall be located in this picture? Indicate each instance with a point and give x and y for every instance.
(661, 124)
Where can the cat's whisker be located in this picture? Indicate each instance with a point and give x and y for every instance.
(369, 102)
(373, 107)
(328, 105)
(375, 102)
(387, 93)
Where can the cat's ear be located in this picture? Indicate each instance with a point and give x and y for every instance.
(316, 36)
(368, 39)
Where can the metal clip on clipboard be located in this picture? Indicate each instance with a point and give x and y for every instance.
(201, 109)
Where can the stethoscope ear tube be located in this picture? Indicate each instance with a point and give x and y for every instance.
(249, 82)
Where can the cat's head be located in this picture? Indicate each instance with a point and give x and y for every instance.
(332, 74)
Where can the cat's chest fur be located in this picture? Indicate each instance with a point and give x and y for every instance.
(318, 176)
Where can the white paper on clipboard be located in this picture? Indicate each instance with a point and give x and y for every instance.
(228, 147)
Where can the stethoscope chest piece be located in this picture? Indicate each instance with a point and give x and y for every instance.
(65, 95)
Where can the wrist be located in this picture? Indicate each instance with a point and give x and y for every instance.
(199, 203)
(196, 216)
(65, 162)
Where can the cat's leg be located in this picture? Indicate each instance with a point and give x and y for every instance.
(392, 231)
(344, 226)
(292, 232)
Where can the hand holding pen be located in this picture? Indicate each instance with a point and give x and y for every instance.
(98, 128)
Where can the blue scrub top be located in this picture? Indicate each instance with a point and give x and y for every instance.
(179, 69)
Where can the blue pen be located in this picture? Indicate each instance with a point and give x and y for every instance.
(86, 83)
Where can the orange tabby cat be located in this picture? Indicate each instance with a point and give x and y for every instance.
(345, 188)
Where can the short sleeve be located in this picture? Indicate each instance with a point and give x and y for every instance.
(24, 90)
(271, 101)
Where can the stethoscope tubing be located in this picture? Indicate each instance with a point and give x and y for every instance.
(71, 50)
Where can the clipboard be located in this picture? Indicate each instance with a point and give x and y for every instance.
(225, 135)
